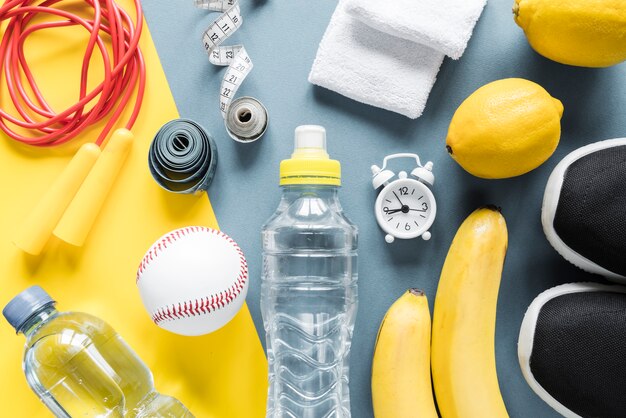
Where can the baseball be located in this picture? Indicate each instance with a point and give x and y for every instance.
(193, 280)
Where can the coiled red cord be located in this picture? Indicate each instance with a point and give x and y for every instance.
(124, 71)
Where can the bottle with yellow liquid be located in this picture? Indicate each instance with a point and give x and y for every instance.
(80, 367)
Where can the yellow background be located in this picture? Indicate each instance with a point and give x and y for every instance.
(223, 374)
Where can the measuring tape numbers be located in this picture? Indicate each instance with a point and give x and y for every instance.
(245, 118)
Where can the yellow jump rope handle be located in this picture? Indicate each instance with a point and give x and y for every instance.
(38, 226)
(82, 212)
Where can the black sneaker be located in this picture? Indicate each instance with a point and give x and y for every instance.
(572, 349)
(584, 208)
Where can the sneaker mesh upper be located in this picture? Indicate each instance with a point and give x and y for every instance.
(591, 213)
(579, 352)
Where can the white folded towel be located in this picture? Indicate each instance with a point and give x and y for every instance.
(373, 67)
(444, 25)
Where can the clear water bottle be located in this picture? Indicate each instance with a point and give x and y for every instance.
(309, 288)
(80, 367)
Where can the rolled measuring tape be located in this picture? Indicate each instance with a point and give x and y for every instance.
(183, 157)
(245, 118)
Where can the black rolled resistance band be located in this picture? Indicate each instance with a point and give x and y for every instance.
(183, 157)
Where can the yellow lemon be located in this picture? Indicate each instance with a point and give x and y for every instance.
(505, 128)
(586, 33)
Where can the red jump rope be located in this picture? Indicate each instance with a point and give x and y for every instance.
(71, 204)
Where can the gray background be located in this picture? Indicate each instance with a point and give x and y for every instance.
(282, 38)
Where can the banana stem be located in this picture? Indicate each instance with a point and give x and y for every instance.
(416, 292)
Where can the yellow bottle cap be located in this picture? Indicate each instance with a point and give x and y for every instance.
(310, 163)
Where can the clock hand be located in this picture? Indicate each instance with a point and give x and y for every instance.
(392, 211)
(419, 210)
(394, 193)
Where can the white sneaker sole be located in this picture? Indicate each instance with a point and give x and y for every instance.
(551, 201)
(527, 335)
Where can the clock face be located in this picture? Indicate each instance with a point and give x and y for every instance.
(405, 208)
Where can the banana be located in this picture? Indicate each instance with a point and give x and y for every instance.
(464, 319)
(401, 385)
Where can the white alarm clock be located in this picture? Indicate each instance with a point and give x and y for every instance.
(405, 207)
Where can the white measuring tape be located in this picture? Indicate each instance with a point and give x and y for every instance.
(245, 118)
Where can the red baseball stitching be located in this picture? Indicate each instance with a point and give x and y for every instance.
(202, 305)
